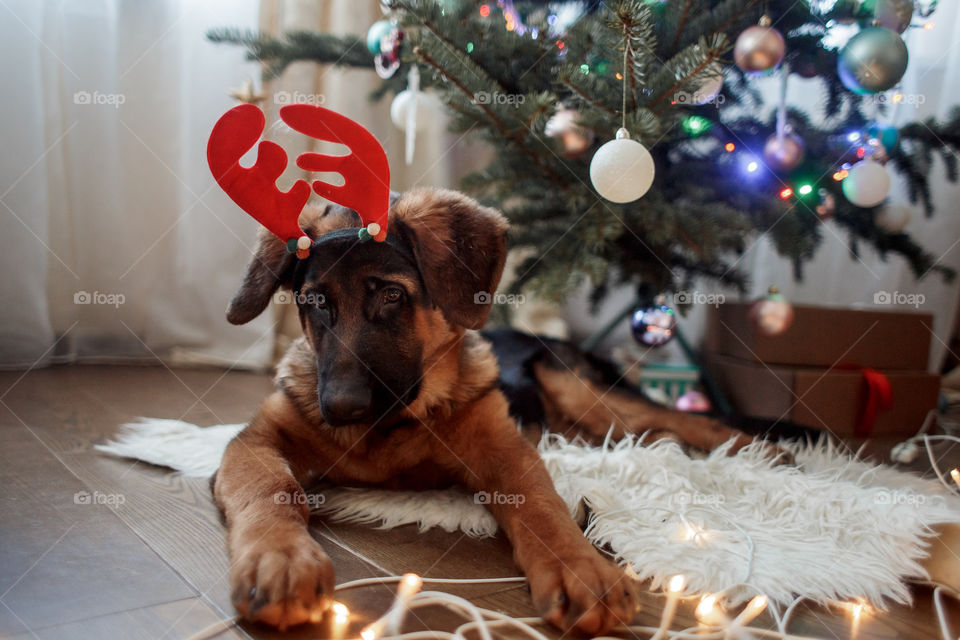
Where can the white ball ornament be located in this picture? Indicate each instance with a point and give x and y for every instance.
(867, 185)
(622, 170)
(426, 105)
(892, 218)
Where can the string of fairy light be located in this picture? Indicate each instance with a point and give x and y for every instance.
(714, 620)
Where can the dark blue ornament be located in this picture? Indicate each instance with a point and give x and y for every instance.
(653, 326)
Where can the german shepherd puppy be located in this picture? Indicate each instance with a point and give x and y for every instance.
(392, 386)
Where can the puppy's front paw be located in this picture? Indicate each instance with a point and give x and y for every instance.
(281, 577)
(585, 592)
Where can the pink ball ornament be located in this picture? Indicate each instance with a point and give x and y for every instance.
(784, 154)
(693, 401)
(759, 48)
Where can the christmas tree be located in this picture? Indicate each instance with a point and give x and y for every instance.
(547, 85)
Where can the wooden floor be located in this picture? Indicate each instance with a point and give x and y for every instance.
(146, 558)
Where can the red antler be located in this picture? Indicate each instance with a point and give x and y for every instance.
(255, 189)
(365, 170)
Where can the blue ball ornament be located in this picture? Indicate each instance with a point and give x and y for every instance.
(375, 33)
(653, 326)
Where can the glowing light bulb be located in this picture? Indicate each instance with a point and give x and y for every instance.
(677, 583)
(955, 474)
(752, 166)
(805, 190)
(368, 634)
(340, 612)
(706, 606)
(729, 147)
(754, 608)
(853, 136)
(928, 26)
(786, 193)
(675, 586)
(410, 583)
(484, 11)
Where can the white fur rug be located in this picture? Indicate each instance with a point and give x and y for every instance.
(831, 528)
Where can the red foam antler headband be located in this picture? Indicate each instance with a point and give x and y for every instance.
(365, 170)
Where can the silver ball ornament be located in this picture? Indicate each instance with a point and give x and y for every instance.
(874, 60)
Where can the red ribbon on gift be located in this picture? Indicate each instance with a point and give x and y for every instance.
(879, 397)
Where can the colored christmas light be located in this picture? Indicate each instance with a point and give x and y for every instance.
(696, 125)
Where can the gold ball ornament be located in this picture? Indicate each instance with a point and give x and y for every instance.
(773, 314)
(574, 138)
(759, 48)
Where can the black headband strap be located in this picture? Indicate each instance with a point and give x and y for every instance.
(396, 242)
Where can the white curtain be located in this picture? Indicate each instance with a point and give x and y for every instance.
(833, 277)
(106, 195)
(116, 243)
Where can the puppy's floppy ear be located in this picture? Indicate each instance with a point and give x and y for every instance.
(460, 247)
(270, 266)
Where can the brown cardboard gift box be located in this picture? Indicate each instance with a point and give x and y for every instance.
(825, 337)
(809, 374)
(828, 399)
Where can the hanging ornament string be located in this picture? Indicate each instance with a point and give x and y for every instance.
(782, 107)
(413, 85)
(783, 150)
(623, 84)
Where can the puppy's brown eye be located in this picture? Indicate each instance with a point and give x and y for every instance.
(392, 295)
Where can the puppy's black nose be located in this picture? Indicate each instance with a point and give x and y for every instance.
(344, 404)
